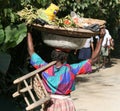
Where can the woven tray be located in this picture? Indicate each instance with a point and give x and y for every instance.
(68, 38)
(90, 21)
(74, 32)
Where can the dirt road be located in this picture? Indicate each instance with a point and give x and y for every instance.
(99, 91)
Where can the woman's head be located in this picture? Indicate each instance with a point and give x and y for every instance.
(59, 55)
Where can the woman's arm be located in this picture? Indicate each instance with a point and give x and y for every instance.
(30, 44)
(98, 47)
(92, 46)
(86, 65)
(35, 60)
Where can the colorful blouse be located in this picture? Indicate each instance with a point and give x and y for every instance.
(60, 80)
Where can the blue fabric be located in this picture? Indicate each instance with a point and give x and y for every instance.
(60, 80)
(84, 53)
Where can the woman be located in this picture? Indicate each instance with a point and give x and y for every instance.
(59, 80)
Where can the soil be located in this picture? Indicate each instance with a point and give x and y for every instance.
(100, 90)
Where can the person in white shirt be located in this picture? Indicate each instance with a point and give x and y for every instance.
(86, 51)
(105, 47)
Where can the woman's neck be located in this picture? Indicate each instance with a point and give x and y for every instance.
(58, 64)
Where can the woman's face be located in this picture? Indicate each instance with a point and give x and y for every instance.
(59, 56)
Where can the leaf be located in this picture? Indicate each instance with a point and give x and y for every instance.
(39, 1)
(68, 2)
(1, 36)
(21, 37)
(8, 34)
(15, 35)
(12, 17)
(20, 34)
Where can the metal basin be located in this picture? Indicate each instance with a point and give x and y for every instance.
(65, 42)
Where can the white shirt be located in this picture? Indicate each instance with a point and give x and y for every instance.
(87, 43)
(107, 37)
(97, 37)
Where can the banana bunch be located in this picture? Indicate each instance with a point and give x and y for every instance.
(28, 14)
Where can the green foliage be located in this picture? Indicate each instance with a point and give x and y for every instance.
(28, 14)
(12, 32)
(35, 3)
(9, 21)
(1, 34)
(13, 36)
(8, 16)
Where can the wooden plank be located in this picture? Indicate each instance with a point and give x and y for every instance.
(38, 103)
(26, 99)
(29, 91)
(33, 73)
(17, 93)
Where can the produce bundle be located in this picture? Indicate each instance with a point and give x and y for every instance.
(66, 21)
(30, 15)
(48, 16)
